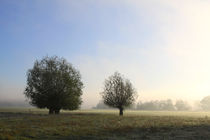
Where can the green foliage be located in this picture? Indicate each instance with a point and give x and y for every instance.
(55, 84)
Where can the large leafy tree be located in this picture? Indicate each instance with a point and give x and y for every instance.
(55, 84)
(118, 92)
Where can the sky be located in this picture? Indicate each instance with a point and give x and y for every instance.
(162, 46)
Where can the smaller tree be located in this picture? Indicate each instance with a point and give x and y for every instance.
(118, 92)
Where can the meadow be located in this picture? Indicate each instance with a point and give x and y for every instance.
(36, 124)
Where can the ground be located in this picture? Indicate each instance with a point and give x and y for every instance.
(34, 124)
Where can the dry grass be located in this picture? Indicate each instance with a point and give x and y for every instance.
(25, 124)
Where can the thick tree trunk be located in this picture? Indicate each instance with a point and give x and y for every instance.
(51, 111)
(57, 111)
(121, 112)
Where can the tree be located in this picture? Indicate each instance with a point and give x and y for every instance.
(205, 103)
(182, 105)
(101, 105)
(166, 105)
(156, 105)
(55, 84)
(150, 105)
(118, 92)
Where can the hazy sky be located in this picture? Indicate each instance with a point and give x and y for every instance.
(162, 46)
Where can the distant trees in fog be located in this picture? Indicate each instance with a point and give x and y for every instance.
(12, 104)
(157, 105)
(162, 105)
(205, 103)
(101, 105)
(166, 105)
(182, 105)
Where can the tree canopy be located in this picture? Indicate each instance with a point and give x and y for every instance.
(118, 92)
(55, 84)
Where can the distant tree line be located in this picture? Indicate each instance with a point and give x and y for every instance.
(205, 103)
(11, 104)
(179, 105)
(101, 105)
(165, 105)
(157, 105)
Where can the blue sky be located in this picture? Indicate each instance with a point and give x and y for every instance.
(33, 29)
(161, 46)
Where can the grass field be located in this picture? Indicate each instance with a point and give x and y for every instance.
(29, 124)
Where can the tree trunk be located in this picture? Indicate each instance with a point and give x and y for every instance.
(57, 111)
(121, 112)
(51, 111)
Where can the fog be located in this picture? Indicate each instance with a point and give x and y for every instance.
(162, 46)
